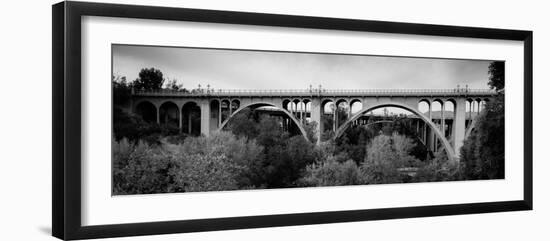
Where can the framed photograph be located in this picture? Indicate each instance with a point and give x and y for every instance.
(170, 120)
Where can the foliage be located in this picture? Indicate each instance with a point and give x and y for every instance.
(355, 138)
(284, 156)
(174, 85)
(439, 169)
(330, 172)
(496, 75)
(122, 91)
(385, 154)
(239, 151)
(311, 131)
(393, 149)
(134, 128)
(210, 172)
(219, 162)
(483, 151)
(149, 79)
(244, 124)
(140, 168)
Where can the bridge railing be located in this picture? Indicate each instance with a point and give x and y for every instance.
(315, 92)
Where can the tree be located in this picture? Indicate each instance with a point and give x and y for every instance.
(241, 152)
(149, 79)
(208, 172)
(140, 168)
(330, 172)
(496, 75)
(174, 85)
(311, 131)
(385, 154)
(122, 90)
(483, 151)
(438, 169)
(244, 124)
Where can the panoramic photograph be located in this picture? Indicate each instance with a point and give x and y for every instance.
(202, 119)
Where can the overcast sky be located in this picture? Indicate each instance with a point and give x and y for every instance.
(237, 69)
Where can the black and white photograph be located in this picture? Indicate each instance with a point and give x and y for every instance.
(190, 119)
(275, 120)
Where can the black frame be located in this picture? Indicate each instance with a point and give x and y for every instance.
(66, 122)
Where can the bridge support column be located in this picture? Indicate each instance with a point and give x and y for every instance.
(180, 124)
(459, 125)
(429, 139)
(205, 117)
(316, 110)
(442, 122)
(335, 118)
(219, 113)
(158, 114)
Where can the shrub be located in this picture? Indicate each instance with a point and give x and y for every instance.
(332, 173)
(238, 151)
(438, 169)
(197, 172)
(140, 168)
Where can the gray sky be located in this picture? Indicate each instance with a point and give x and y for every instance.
(236, 69)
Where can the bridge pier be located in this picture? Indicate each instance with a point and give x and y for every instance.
(316, 110)
(205, 117)
(459, 125)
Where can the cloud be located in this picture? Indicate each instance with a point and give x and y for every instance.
(239, 69)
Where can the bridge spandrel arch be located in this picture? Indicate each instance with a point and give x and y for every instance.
(267, 104)
(448, 148)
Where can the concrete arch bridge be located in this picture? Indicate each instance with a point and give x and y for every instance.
(442, 116)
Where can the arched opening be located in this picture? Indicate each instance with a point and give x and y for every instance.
(423, 131)
(424, 107)
(235, 105)
(147, 111)
(287, 105)
(328, 109)
(342, 112)
(191, 121)
(169, 115)
(448, 118)
(437, 119)
(307, 111)
(382, 120)
(439, 135)
(215, 113)
(356, 106)
(286, 120)
(225, 109)
(294, 108)
(477, 106)
(301, 111)
(469, 113)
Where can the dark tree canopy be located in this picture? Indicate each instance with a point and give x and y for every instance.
(149, 79)
(483, 151)
(121, 90)
(496, 75)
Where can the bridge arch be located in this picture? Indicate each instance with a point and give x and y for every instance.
(191, 112)
(169, 114)
(147, 111)
(444, 141)
(266, 104)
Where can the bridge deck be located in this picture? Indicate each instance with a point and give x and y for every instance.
(317, 92)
